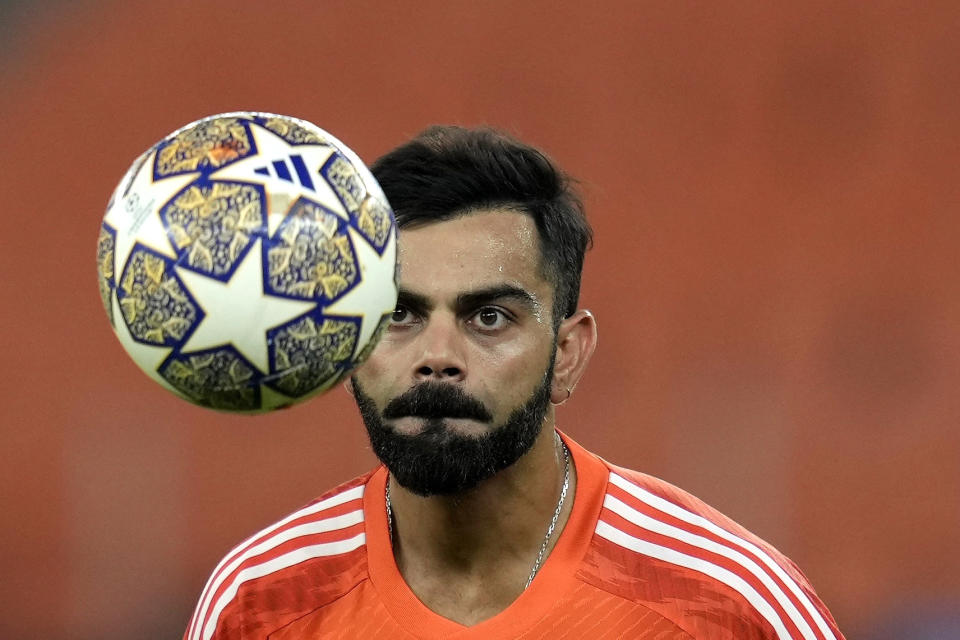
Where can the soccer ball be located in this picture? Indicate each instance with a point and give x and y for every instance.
(248, 261)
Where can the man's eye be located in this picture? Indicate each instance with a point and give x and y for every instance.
(401, 315)
(490, 318)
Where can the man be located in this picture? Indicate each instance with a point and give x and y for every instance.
(485, 521)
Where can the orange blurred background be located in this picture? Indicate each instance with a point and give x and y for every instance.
(774, 191)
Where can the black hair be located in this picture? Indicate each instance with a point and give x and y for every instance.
(449, 171)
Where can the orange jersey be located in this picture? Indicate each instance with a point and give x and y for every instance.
(638, 558)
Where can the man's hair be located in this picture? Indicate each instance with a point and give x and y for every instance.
(449, 171)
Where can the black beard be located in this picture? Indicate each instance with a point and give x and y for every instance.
(437, 460)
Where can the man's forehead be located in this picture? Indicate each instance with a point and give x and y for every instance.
(478, 224)
(477, 251)
(479, 238)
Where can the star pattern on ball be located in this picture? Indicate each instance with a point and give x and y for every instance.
(377, 288)
(139, 222)
(147, 356)
(283, 169)
(239, 312)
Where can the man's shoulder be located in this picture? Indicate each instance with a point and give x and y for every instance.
(664, 500)
(303, 561)
(661, 546)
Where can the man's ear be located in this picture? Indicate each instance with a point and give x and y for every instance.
(348, 385)
(576, 342)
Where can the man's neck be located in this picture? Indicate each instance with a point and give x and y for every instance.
(468, 556)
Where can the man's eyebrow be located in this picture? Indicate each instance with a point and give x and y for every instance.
(473, 299)
(420, 303)
(416, 302)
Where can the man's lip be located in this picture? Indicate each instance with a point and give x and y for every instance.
(437, 418)
(444, 417)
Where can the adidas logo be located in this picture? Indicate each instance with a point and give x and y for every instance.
(291, 169)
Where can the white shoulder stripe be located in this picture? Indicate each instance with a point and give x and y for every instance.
(218, 575)
(632, 515)
(720, 574)
(691, 518)
(321, 526)
(282, 562)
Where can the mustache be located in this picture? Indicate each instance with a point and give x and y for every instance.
(436, 400)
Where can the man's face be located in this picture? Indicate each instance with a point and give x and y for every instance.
(459, 385)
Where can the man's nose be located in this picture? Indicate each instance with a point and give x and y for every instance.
(441, 357)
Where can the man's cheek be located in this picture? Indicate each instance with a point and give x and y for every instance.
(369, 373)
(370, 385)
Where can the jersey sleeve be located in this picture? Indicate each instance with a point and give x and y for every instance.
(659, 545)
(305, 560)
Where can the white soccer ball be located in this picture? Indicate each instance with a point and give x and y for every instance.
(248, 261)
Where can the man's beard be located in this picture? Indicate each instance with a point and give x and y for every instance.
(438, 460)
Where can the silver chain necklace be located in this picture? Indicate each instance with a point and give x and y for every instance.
(553, 520)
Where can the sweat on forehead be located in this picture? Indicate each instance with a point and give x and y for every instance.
(518, 236)
(488, 246)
